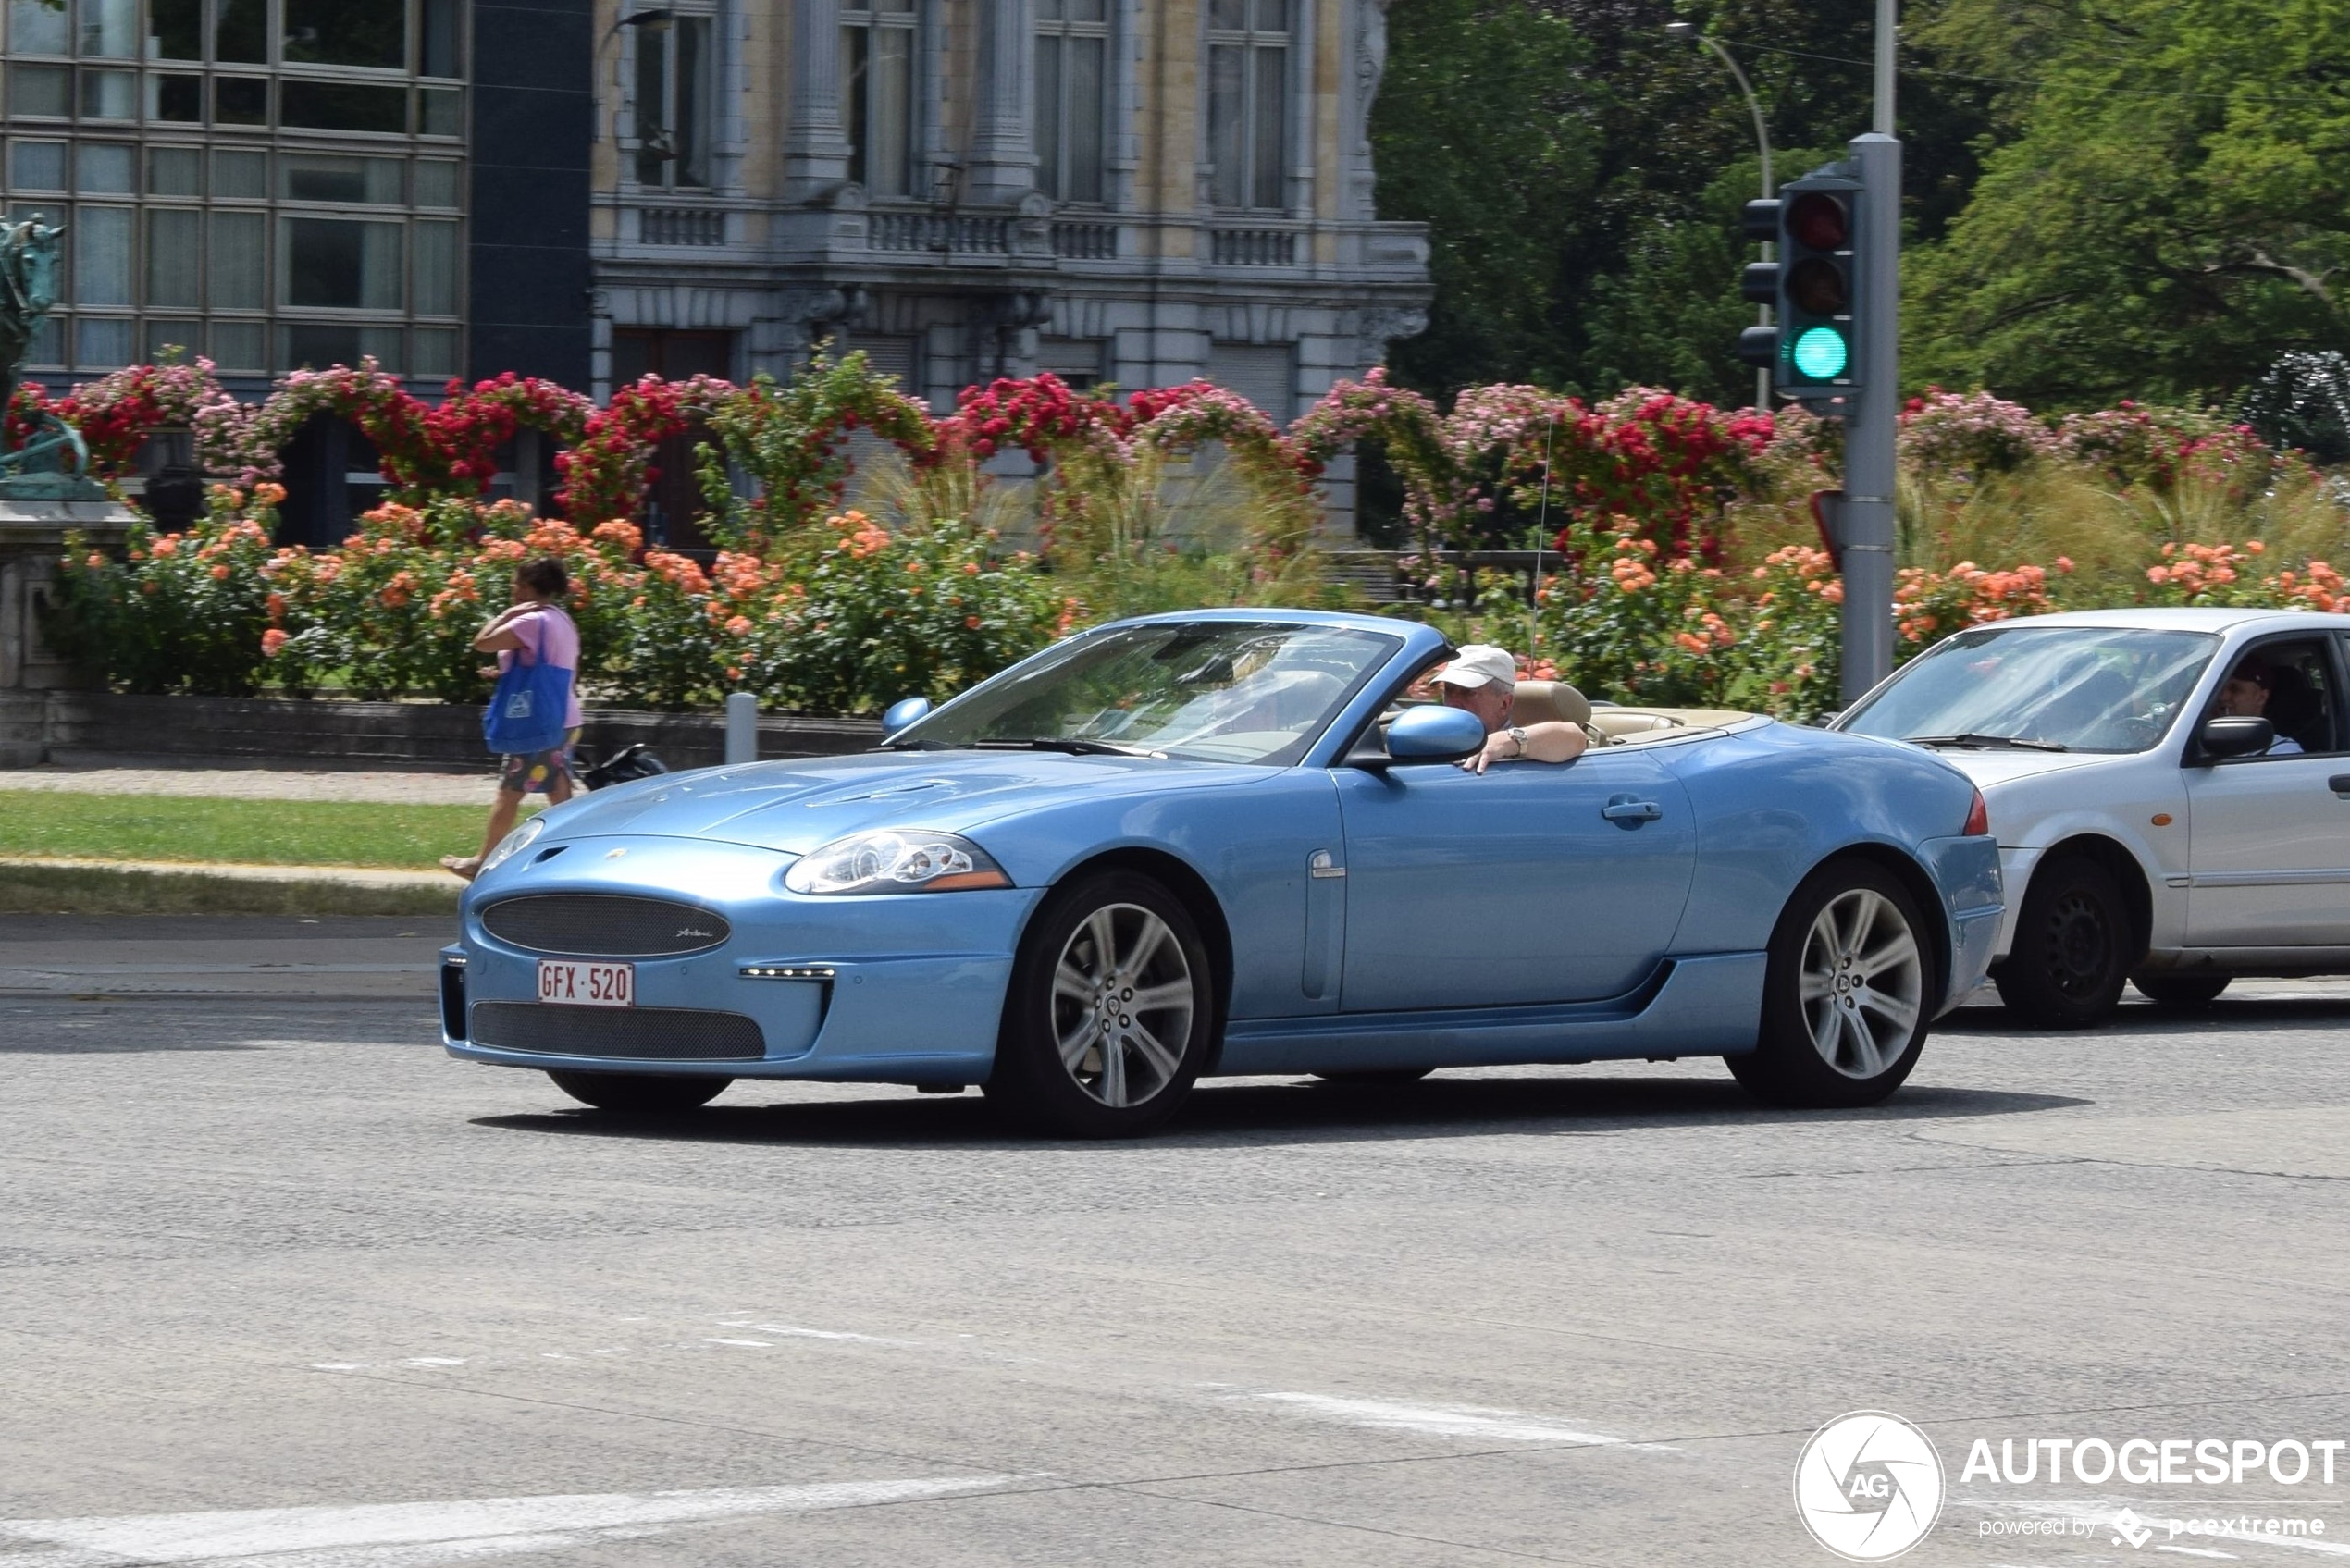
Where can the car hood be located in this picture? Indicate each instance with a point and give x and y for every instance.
(1991, 769)
(795, 807)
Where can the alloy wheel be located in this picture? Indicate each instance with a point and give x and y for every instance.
(1122, 999)
(1863, 982)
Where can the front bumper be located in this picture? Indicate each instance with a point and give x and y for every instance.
(903, 988)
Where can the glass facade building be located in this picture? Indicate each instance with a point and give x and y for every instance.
(272, 183)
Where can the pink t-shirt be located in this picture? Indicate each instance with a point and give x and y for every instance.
(552, 639)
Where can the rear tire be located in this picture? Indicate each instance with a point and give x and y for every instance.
(2180, 989)
(1848, 993)
(2073, 947)
(1110, 1015)
(629, 1093)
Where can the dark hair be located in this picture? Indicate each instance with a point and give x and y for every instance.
(544, 576)
(2256, 669)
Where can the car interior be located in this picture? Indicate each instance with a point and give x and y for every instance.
(1603, 724)
(2302, 700)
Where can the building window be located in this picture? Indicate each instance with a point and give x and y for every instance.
(191, 221)
(1072, 53)
(877, 105)
(672, 103)
(1248, 44)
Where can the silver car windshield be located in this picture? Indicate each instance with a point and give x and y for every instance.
(1221, 691)
(2042, 688)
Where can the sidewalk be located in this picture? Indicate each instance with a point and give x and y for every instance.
(225, 779)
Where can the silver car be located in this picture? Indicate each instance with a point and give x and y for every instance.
(2170, 788)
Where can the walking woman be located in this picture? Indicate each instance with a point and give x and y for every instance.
(536, 630)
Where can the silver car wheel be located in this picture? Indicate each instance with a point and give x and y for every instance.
(1122, 999)
(1864, 983)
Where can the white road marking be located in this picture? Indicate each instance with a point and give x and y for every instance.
(755, 1344)
(434, 1361)
(408, 1535)
(2196, 1551)
(794, 1331)
(1444, 1421)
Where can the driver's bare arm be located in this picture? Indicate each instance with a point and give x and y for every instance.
(1547, 742)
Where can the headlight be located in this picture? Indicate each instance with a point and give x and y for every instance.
(514, 844)
(895, 862)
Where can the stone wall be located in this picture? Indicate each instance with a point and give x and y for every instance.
(86, 726)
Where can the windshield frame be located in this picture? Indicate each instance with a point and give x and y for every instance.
(1977, 638)
(1386, 645)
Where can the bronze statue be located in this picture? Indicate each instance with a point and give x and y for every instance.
(27, 290)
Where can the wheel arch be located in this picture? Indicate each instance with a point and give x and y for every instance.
(1914, 881)
(2116, 860)
(1198, 899)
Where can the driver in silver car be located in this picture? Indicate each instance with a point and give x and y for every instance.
(1483, 679)
(2245, 694)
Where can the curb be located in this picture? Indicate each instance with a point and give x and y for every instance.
(72, 886)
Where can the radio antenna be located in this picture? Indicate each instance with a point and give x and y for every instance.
(1542, 538)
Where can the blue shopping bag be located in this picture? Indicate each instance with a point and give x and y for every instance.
(527, 708)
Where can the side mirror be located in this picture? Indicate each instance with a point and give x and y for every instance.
(2237, 738)
(1435, 735)
(902, 712)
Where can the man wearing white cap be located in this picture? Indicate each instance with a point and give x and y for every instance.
(1483, 679)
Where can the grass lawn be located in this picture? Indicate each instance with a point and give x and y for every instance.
(271, 833)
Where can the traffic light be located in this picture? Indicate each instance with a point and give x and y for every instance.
(1815, 284)
(1759, 346)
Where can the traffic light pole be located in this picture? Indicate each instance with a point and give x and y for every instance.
(1873, 424)
(1873, 421)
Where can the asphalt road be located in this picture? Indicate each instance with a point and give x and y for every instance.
(283, 1287)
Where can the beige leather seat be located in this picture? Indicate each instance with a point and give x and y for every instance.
(1546, 702)
(1543, 702)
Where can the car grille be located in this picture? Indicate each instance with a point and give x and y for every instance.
(603, 925)
(677, 1034)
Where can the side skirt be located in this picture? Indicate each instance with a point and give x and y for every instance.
(1706, 1005)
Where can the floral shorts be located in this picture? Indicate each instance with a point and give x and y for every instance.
(532, 773)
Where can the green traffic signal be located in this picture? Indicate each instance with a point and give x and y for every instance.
(1821, 353)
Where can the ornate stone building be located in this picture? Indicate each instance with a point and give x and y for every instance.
(1137, 192)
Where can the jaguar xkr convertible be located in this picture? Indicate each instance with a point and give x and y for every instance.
(1230, 842)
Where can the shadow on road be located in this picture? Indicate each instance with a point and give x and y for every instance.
(1299, 1111)
(2285, 1013)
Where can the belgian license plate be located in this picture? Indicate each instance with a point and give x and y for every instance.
(587, 985)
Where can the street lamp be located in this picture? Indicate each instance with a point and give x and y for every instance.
(1769, 186)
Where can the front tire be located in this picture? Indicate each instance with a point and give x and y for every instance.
(631, 1093)
(2180, 989)
(1848, 994)
(1110, 1015)
(2073, 947)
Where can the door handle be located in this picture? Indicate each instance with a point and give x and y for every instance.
(1628, 808)
(2340, 785)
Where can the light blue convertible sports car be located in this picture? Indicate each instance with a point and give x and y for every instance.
(1225, 843)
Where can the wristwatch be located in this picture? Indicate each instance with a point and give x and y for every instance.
(1517, 734)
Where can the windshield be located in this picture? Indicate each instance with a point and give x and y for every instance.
(2071, 688)
(1221, 691)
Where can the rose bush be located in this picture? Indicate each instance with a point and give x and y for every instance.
(1686, 567)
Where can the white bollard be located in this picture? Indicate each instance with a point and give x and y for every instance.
(742, 728)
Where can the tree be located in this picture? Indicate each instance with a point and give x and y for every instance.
(2172, 210)
(1581, 171)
